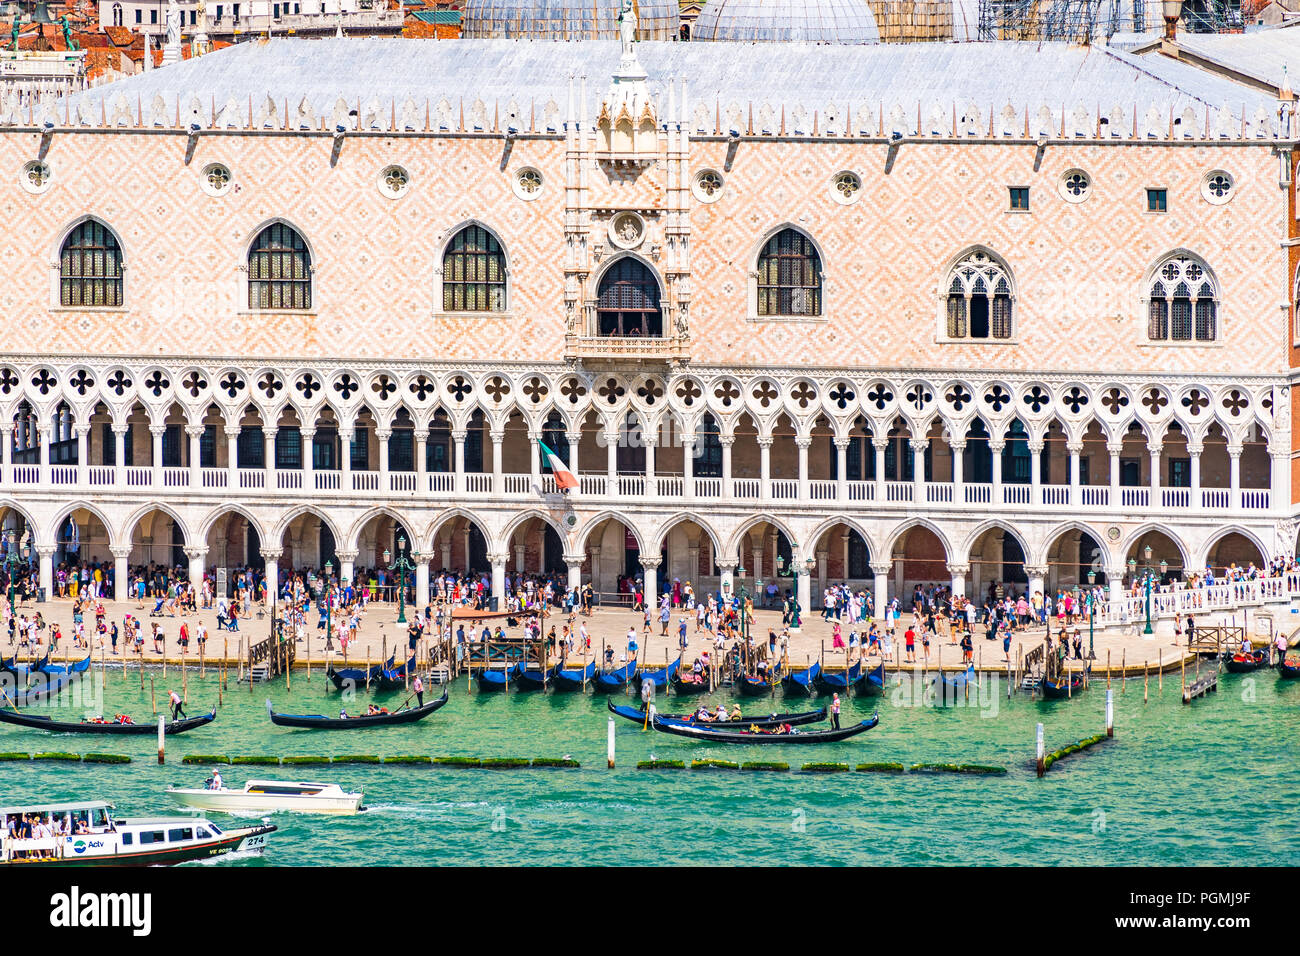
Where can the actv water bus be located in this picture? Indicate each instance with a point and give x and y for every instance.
(86, 834)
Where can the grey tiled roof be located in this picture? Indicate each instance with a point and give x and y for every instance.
(907, 79)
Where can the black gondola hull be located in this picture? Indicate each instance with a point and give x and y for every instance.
(67, 727)
(361, 722)
(771, 720)
(702, 732)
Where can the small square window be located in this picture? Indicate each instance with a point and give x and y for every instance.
(1019, 198)
(139, 16)
(153, 16)
(1157, 200)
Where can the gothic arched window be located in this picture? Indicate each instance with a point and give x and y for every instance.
(789, 276)
(627, 302)
(474, 273)
(979, 299)
(279, 270)
(90, 267)
(1184, 303)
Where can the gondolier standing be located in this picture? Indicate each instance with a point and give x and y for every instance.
(835, 711)
(175, 698)
(418, 686)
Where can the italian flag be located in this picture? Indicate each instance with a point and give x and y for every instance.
(564, 479)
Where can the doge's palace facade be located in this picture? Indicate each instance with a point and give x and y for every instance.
(290, 301)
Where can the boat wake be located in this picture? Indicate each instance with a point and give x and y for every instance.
(235, 857)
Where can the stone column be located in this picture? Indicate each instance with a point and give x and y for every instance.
(272, 556)
(45, 574)
(649, 570)
(268, 452)
(650, 441)
(119, 454)
(535, 457)
(611, 463)
(995, 454)
(421, 459)
(498, 478)
(1115, 583)
(83, 453)
(422, 582)
(822, 557)
(195, 433)
(445, 548)
(958, 471)
(232, 455)
(381, 436)
(347, 565)
(688, 466)
(959, 572)
(345, 455)
(156, 463)
(879, 445)
(842, 470)
(880, 571)
(573, 564)
(727, 582)
(918, 446)
(498, 560)
(45, 433)
(1075, 449)
(121, 571)
(574, 439)
(521, 552)
(458, 456)
(1234, 477)
(308, 437)
(802, 443)
(804, 587)
(756, 569)
(1154, 452)
(1037, 575)
(1035, 472)
(197, 556)
(1113, 450)
(1194, 450)
(765, 468)
(726, 441)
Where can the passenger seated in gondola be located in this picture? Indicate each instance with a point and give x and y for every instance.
(702, 714)
(721, 713)
(123, 719)
(760, 670)
(609, 657)
(735, 712)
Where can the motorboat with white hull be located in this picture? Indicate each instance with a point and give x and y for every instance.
(269, 796)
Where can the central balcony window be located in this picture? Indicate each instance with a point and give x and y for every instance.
(627, 304)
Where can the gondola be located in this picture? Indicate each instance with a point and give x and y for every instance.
(1288, 670)
(360, 722)
(394, 678)
(951, 690)
(357, 678)
(689, 688)
(498, 679)
(39, 686)
(1245, 663)
(761, 736)
(749, 685)
(87, 727)
(532, 678)
(575, 679)
(855, 678)
(771, 720)
(78, 667)
(802, 682)
(1060, 689)
(13, 664)
(661, 677)
(615, 680)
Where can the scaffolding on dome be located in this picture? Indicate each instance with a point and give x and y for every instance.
(1084, 21)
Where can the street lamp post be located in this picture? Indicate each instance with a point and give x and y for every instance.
(402, 566)
(743, 593)
(1148, 575)
(13, 561)
(1092, 611)
(329, 618)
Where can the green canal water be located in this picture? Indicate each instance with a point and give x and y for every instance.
(1211, 783)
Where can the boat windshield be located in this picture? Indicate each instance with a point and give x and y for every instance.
(216, 830)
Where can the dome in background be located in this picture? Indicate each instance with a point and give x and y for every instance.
(812, 21)
(566, 19)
